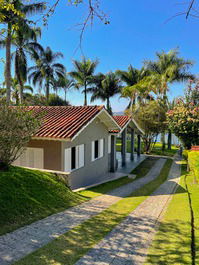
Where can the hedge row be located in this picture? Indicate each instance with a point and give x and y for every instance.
(193, 160)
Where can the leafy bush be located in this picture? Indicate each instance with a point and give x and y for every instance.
(185, 154)
(152, 119)
(183, 119)
(55, 100)
(193, 160)
(16, 128)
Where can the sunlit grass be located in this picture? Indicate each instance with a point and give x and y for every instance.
(157, 150)
(172, 244)
(140, 171)
(68, 248)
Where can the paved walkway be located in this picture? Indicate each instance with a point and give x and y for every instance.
(130, 165)
(23, 241)
(121, 171)
(128, 242)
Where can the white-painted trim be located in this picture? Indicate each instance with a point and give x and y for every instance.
(126, 125)
(51, 139)
(88, 123)
(138, 127)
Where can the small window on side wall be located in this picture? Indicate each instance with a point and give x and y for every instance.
(97, 149)
(74, 158)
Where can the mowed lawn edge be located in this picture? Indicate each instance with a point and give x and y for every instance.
(71, 246)
(172, 243)
(31, 195)
(140, 171)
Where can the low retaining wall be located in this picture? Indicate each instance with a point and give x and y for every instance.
(61, 175)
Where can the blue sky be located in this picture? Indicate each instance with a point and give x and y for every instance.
(137, 30)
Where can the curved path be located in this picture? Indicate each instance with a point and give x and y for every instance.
(16, 245)
(128, 243)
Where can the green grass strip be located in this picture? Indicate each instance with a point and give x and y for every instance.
(71, 246)
(140, 171)
(192, 182)
(172, 243)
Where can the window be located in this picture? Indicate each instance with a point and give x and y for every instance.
(74, 158)
(97, 149)
(96, 155)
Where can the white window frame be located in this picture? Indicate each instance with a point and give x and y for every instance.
(100, 149)
(79, 158)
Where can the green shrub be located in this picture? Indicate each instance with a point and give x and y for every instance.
(185, 154)
(193, 160)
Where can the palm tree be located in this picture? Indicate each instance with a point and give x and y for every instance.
(64, 83)
(167, 69)
(105, 87)
(15, 90)
(25, 42)
(83, 74)
(12, 18)
(24, 39)
(131, 78)
(46, 70)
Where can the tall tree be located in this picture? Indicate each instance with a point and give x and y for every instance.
(25, 42)
(131, 77)
(13, 18)
(46, 70)
(83, 74)
(166, 69)
(16, 91)
(64, 83)
(105, 87)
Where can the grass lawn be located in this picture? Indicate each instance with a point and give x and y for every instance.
(68, 248)
(29, 195)
(172, 243)
(140, 171)
(156, 150)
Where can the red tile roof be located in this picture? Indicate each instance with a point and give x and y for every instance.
(122, 120)
(63, 121)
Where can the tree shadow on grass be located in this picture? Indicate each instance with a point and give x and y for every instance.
(124, 244)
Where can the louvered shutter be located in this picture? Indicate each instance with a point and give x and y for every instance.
(81, 155)
(31, 153)
(101, 147)
(38, 158)
(109, 144)
(67, 160)
(92, 151)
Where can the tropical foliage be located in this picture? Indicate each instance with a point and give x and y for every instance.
(15, 17)
(105, 87)
(16, 128)
(47, 71)
(83, 74)
(151, 117)
(130, 78)
(183, 119)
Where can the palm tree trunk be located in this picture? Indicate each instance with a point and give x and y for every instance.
(163, 141)
(85, 94)
(169, 140)
(20, 92)
(65, 94)
(8, 64)
(47, 90)
(108, 105)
